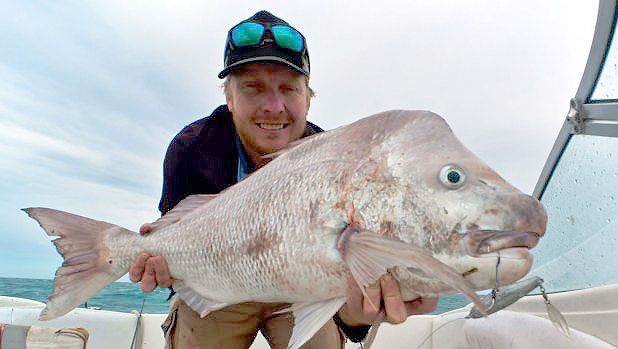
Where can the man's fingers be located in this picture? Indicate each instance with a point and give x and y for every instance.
(394, 307)
(136, 271)
(371, 302)
(421, 306)
(149, 282)
(145, 228)
(352, 311)
(162, 272)
(354, 294)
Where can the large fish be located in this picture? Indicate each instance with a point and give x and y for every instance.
(391, 192)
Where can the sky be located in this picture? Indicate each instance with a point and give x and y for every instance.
(91, 92)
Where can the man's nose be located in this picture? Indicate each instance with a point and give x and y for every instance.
(274, 103)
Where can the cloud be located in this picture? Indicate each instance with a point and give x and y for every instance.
(91, 92)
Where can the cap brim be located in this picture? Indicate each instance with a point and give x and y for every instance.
(274, 59)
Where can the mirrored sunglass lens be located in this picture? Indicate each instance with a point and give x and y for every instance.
(287, 37)
(247, 34)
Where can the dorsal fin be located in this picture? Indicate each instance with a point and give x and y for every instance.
(184, 207)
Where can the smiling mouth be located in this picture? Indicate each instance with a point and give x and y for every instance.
(481, 242)
(271, 127)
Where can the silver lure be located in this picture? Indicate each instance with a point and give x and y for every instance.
(500, 298)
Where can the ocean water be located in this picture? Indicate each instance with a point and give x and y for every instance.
(119, 296)
(126, 296)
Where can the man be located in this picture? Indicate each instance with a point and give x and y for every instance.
(267, 99)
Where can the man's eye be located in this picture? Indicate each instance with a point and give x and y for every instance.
(251, 86)
(288, 88)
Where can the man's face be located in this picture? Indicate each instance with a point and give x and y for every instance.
(269, 104)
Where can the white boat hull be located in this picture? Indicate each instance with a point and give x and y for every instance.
(591, 313)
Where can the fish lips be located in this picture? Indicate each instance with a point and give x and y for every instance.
(481, 242)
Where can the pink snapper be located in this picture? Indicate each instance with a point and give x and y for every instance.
(394, 192)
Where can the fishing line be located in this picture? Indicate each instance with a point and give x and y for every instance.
(139, 322)
(497, 284)
(434, 331)
(493, 296)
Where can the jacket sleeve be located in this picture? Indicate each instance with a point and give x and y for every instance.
(176, 181)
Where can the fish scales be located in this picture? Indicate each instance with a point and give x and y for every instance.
(395, 191)
(256, 251)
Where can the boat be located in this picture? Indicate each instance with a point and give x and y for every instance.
(576, 259)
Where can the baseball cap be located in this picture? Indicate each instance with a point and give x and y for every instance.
(265, 37)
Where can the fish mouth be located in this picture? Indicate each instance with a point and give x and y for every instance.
(481, 242)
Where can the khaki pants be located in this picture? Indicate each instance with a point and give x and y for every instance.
(236, 326)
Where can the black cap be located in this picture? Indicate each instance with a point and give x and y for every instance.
(266, 51)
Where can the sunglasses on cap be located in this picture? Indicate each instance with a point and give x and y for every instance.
(254, 34)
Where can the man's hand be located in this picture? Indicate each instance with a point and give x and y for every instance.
(385, 295)
(152, 271)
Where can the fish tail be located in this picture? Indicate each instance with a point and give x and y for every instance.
(95, 254)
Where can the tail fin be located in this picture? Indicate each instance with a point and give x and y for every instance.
(89, 263)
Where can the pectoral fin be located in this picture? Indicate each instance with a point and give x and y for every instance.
(369, 256)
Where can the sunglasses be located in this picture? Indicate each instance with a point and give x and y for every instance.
(253, 33)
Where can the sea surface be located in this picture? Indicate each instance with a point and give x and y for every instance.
(126, 296)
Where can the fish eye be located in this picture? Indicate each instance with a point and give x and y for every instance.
(452, 176)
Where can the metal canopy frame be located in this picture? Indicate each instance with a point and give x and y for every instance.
(586, 116)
